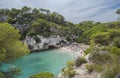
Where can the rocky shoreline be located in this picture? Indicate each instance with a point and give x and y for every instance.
(57, 42)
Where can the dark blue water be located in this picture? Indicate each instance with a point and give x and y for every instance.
(52, 61)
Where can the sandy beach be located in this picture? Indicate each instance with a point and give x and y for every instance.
(77, 49)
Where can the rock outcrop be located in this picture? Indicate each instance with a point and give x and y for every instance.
(21, 27)
(82, 72)
(38, 43)
(118, 76)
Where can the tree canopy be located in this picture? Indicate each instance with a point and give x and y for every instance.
(10, 46)
(43, 75)
(118, 12)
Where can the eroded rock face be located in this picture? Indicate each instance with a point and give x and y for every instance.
(43, 43)
(21, 27)
(3, 18)
(118, 76)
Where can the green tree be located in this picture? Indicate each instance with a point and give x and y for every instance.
(118, 12)
(14, 12)
(35, 11)
(39, 25)
(25, 9)
(101, 38)
(43, 75)
(10, 46)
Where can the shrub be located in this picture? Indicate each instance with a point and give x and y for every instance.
(68, 72)
(31, 33)
(46, 34)
(94, 67)
(100, 57)
(37, 39)
(116, 41)
(79, 39)
(91, 48)
(88, 50)
(72, 73)
(1, 75)
(43, 75)
(115, 51)
(70, 63)
(104, 48)
(68, 38)
(98, 68)
(90, 67)
(111, 70)
(79, 61)
(101, 38)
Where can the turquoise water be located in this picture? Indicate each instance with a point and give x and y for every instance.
(51, 61)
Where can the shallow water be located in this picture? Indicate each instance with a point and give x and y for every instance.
(51, 61)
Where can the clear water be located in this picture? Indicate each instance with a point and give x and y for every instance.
(51, 61)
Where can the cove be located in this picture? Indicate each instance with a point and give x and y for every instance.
(51, 61)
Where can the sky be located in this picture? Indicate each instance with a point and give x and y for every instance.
(73, 10)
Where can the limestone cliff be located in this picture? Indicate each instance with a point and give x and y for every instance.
(37, 43)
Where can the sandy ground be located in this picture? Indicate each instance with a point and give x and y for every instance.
(77, 49)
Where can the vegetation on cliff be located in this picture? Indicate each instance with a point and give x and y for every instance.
(104, 50)
(37, 21)
(43, 75)
(103, 38)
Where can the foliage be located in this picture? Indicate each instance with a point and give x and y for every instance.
(31, 33)
(37, 39)
(91, 48)
(87, 28)
(118, 12)
(105, 63)
(1, 75)
(115, 51)
(104, 38)
(98, 68)
(70, 63)
(27, 19)
(68, 72)
(101, 38)
(88, 50)
(93, 30)
(90, 67)
(100, 57)
(79, 61)
(43, 75)
(114, 33)
(111, 69)
(10, 46)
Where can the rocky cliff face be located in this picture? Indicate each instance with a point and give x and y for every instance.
(21, 27)
(37, 43)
